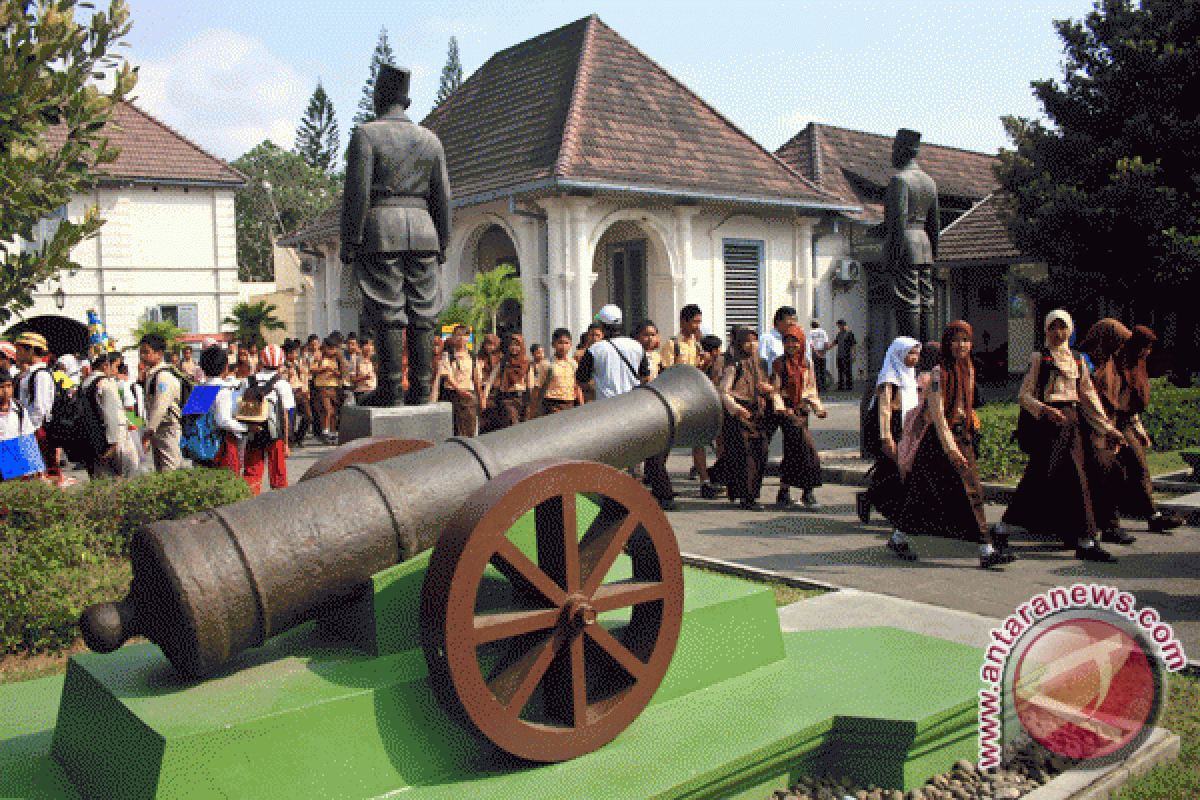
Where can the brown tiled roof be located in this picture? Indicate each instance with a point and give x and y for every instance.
(857, 166)
(580, 107)
(979, 235)
(151, 151)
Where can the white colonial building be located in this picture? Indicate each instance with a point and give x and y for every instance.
(168, 247)
(580, 161)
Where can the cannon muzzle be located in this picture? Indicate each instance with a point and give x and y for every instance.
(210, 586)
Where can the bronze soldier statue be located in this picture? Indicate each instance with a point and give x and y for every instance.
(395, 228)
(910, 228)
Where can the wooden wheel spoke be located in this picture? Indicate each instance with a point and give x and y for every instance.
(558, 540)
(494, 627)
(515, 684)
(632, 664)
(619, 595)
(520, 563)
(578, 683)
(599, 552)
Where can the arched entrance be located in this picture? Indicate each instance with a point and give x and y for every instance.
(634, 272)
(492, 246)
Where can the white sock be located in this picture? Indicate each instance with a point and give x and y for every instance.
(986, 549)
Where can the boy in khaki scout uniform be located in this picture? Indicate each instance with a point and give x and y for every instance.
(162, 432)
(685, 349)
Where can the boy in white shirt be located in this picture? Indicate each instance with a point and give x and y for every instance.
(215, 363)
(260, 449)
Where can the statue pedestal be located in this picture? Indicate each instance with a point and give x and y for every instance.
(433, 422)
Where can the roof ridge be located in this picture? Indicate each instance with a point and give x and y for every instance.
(771, 156)
(568, 144)
(923, 144)
(817, 143)
(146, 114)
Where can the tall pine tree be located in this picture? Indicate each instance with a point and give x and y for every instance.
(382, 55)
(452, 73)
(317, 138)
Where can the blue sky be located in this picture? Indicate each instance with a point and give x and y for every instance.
(230, 74)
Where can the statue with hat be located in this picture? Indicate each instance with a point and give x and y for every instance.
(394, 230)
(910, 232)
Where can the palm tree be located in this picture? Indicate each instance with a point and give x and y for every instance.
(167, 329)
(488, 292)
(249, 320)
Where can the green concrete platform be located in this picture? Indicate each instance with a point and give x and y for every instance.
(743, 707)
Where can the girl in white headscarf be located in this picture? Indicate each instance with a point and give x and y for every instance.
(895, 396)
(1053, 497)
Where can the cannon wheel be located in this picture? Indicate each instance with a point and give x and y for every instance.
(566, 653)
(367, 450)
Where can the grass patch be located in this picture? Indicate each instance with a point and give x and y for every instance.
(1164, 463)
(1180, 778)
(785, 595)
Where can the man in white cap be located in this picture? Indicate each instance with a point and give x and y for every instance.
(617, 362)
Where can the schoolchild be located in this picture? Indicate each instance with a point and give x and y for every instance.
(365, 378)
(488, 362)
(1119, 374)
(795, 398)
(655, 467)
(510, 382)
(296, 373)
(684, 349)
(35, 390)
(895, 397)
(327, 376)
(457, 382)
(119, 459)
(261, 448)
(746, 396)
(20, 459)
(162, 432)
(943, 495)
(556, 388)
(593, 334)
(1054, 495)
(215, 363)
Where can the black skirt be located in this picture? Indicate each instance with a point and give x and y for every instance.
(801, 466)
(885, 489)
(939, 500)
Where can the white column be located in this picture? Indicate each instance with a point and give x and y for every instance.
(581, 256)
(802, 284)
(683, 267)
(557, 275)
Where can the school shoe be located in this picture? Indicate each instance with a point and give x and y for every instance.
(1161, 523)
(995, 559)
(1117, 536)
(668, 504)
(810, 500)
(1095, 553)
(708, 490)
(747, 504)
(862, 507)
(784, 499)
(903, 550)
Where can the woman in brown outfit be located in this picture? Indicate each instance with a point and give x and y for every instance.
(1119, 374)
(943, 496)
(746, 395)
(511, 383)
(797, 389)
(895, 397)
(487, 363)
(1054, 494)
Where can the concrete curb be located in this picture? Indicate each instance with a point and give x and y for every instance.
(1101, 783)
(754, 573)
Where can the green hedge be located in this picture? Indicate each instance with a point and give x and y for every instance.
(1172, 420)
(61, 551)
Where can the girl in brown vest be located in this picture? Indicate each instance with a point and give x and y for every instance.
(797, 392)
(745, 393)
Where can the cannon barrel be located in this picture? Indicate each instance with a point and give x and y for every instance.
(214, 584)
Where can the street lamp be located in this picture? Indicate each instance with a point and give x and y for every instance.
(60, 298)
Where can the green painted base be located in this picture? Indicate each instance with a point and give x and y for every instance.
(743, 707)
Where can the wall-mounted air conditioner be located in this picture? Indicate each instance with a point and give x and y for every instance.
(846, 270)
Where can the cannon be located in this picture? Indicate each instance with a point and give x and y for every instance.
(513, 636)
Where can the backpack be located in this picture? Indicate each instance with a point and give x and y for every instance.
(63, 422)
(1028, 431)
(250, 408)
(201, 439)
(186, 384)
(78, 427)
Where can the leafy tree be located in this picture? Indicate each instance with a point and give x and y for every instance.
(487, 293)
(166, 329)
(1109, 192)
(382, 55)
(299, 193)
(52, 139)
(249, 320)
(317, 138)
(452, 73)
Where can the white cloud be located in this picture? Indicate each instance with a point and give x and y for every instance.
(225, 91)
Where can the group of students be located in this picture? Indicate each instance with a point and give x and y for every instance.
(1080, 426)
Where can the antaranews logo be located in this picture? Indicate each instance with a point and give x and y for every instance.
(1081, 671)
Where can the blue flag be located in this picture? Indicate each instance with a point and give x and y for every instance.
(20, 457)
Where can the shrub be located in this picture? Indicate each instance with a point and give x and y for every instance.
(1173, 418)
(999, 457)
(61, 551)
